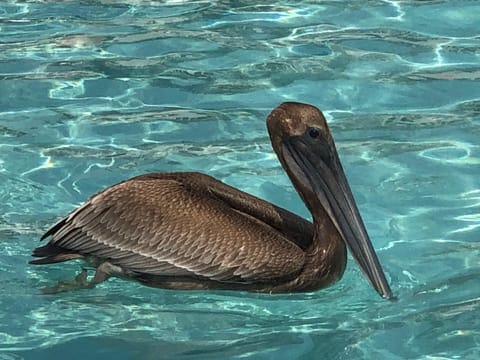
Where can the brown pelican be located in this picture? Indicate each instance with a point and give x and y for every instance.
(190, 231)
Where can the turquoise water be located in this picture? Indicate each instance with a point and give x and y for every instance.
(95, 92)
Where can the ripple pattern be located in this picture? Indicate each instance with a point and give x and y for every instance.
(94, 92)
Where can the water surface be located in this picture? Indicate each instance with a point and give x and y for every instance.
(95, 92)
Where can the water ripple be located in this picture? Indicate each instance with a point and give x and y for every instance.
(92, 93)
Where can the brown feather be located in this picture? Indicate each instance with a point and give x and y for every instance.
(167, 224)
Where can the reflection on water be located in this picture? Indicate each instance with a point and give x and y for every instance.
(92, 93)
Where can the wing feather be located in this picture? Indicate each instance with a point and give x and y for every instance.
(164, 226)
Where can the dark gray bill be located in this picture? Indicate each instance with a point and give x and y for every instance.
(320, 169)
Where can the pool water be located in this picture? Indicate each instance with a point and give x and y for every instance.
(95, 92)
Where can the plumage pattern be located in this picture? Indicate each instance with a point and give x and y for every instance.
(167, 224)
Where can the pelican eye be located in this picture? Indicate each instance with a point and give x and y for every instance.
(314, 133)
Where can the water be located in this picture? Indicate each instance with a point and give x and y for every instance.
(95, 92)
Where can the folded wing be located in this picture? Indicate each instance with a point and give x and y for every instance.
(164, 225)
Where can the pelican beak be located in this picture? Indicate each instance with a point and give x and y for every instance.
(317, 166)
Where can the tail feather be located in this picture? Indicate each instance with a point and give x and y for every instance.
(52, 254)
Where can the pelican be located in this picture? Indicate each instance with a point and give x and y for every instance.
(189, 231)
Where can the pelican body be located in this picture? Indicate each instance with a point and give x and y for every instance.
(189, 231)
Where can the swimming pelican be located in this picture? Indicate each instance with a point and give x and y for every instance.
(189, 231)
